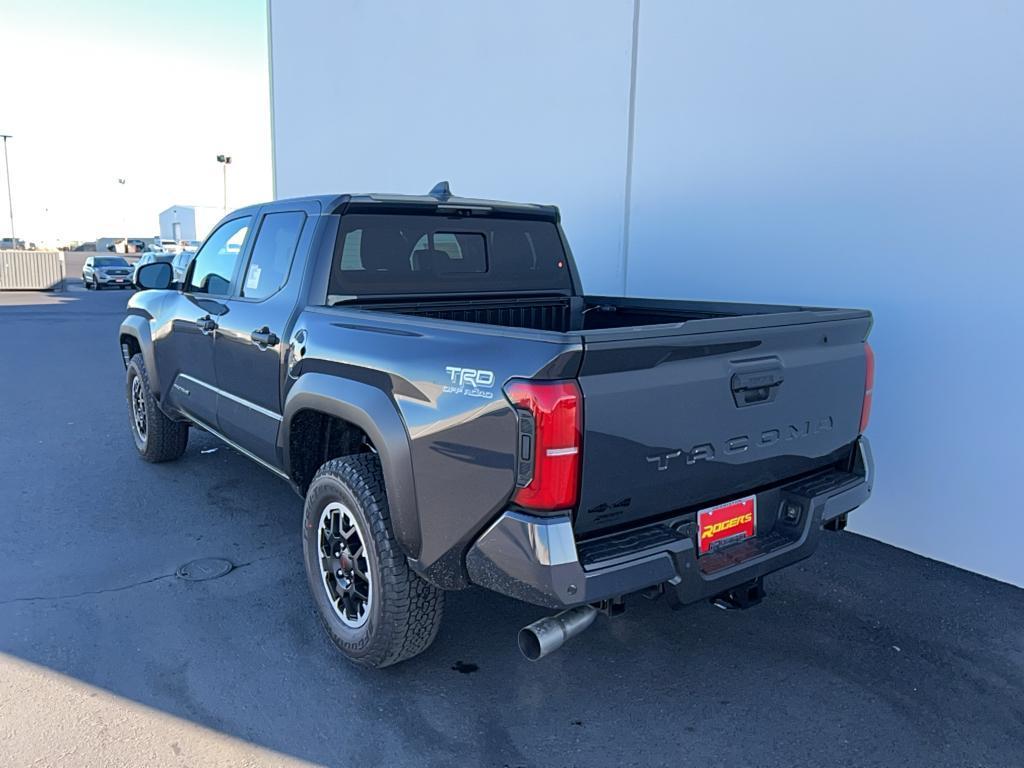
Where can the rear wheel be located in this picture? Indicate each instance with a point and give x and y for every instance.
(157, 438)
(375, 608)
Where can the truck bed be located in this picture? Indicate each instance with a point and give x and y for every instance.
(567, 314)
(686, 404)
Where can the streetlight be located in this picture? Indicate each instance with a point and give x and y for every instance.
(10, 200)
(124, 213)
(225, 161)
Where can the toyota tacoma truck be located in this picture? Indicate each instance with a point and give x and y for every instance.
(428, 374)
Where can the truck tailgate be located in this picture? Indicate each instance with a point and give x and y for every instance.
(711, 410)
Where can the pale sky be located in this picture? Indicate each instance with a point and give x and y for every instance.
(150, 92)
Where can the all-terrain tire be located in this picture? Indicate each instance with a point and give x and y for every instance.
(405, 611)
(162, 439)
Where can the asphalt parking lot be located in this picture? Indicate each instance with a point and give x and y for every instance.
(864, 655)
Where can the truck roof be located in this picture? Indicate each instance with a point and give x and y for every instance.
(439, 197)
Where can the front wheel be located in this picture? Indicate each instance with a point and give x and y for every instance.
(375, 608)
(157, 438)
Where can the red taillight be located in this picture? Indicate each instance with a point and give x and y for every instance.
(549, 442)
(869, 385)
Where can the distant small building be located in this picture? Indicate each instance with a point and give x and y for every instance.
(188, 222)
(123, 244)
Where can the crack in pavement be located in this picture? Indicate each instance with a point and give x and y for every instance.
(88, 593)
(124, 587)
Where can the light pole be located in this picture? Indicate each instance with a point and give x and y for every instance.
(10, 200)
(124, 213)
(225, 161)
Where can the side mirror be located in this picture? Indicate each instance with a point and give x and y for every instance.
(156, 275)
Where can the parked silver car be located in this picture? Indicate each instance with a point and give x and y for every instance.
(149, 256)
(180, 264)
(102, 271)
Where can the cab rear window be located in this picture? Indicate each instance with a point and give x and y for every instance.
(388, 253)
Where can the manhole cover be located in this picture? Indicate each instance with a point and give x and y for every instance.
(205, 568)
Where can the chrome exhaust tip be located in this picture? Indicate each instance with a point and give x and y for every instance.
(549, 634)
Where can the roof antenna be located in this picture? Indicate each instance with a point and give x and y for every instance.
(441, 191)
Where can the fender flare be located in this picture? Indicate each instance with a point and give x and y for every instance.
(137, 327)
(374, 412)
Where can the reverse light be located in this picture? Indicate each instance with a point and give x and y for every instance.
(869, 385)
(550, 439)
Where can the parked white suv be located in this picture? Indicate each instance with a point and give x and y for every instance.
(102, 271)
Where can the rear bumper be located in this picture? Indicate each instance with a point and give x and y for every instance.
(537, 559)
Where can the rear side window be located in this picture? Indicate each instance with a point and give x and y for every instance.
(272, 254)
(397, 253)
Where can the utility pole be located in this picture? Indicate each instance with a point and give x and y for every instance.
(225, 161)
(10, 200)
(124, 214)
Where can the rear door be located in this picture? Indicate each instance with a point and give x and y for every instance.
(253, 331)
(690, 419)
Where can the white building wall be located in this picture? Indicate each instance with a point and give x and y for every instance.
(860, 154)
(182, 215)
(867, 154)
(196, 221)
(523, 101)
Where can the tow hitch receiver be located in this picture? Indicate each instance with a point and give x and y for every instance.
(746, 595)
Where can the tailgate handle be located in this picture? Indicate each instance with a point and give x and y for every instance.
(755, 387)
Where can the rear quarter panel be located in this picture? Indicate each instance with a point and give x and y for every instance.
(445, 380)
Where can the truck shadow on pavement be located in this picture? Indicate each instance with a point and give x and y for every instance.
(831, 658)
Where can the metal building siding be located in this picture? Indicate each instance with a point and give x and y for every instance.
(31, 270)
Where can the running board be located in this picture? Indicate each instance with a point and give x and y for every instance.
(206, 427)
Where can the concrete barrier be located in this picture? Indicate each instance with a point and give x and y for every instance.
(31, 271)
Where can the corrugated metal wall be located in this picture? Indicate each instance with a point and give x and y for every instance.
(31, 270)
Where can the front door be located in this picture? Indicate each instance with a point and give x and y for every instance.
(252, 337)
(185, 355)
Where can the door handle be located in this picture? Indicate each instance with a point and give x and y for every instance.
(206, 324)
(264, 338)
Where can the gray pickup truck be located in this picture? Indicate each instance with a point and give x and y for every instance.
(428, 374)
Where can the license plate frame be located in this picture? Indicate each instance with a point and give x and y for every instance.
(729, 522)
